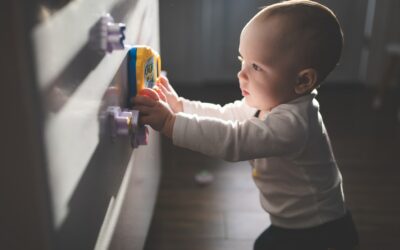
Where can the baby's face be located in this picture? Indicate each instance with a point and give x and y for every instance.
(268, 75)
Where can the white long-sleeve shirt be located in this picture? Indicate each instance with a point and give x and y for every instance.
(289, 150)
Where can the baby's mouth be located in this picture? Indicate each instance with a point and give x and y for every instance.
(245, 92)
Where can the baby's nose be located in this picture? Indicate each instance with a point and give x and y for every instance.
(241, 74)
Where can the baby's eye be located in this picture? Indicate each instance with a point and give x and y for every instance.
(256, 67)
(240, 59)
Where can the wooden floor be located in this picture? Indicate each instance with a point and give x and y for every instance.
(226, 214)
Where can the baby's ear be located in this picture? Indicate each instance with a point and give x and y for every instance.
(307, 80)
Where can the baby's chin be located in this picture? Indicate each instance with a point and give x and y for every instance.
(250, 103)
(258, 106)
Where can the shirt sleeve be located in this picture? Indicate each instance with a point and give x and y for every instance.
(237, 110)
(280, 134)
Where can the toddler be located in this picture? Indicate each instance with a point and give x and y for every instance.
(286, 51)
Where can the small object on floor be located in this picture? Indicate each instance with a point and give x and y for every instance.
(204, 177)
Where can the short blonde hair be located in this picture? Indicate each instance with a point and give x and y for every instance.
(321, 28)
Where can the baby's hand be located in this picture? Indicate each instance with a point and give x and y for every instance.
(171, 96)
(154, 111)
(154, 94)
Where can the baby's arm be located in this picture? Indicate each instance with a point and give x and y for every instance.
(279, 134)
(232, 111)
(236, 111)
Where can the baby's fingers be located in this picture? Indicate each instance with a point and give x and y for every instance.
(160, 93)
(162, 80)
(163, 89)
(143, 101)
(144, 110)
(150, 93)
